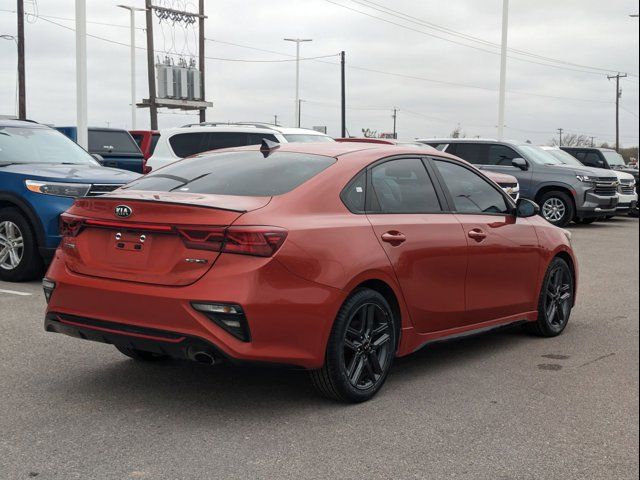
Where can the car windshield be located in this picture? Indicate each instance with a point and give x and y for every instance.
(538, 155)
(40, 145)
(307, 138)
(614, 159)
(246, 173)
(565, 157)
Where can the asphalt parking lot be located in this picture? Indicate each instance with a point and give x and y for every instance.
(501, 405)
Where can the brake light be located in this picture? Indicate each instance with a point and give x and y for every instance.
(70, 226)
(200, 238)
(257, 241)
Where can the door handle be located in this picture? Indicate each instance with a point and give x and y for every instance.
(393, 237)
(477, 234)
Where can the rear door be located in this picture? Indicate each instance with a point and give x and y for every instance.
(503, 250)
(424, 243)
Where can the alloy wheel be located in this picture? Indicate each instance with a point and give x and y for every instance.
(11, 245)
(367, 346)
(553, 210)
(558, 298)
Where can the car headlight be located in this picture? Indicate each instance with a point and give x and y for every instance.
(586, 178)
(59, 189)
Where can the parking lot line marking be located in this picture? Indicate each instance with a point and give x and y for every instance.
(13, 292)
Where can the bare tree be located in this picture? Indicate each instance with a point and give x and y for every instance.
(457, 133)
(572, 140)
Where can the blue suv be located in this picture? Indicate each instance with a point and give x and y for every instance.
(41, 172)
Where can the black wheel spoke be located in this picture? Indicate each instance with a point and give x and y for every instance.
(351, 345)
(370, 316)
(374, 362)
(551, 312)
(357, 371)
(380, 341)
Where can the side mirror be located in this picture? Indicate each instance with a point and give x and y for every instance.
(98, 158)
(526, 208)
(520, 163)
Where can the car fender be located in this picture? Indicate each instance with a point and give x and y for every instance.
(553, 184)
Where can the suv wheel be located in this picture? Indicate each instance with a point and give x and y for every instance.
(557, 208)
(555, 302)
(360, 350)
(19, 257)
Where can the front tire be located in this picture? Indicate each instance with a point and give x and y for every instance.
(557, 208)
(556, 300)
(360, 350)
(20, 260)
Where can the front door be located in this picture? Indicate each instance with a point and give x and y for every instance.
(425, 245)
(503, 250)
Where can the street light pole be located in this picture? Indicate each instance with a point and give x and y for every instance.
(503, 68)
(132, 16)
(22, 96)
(11, 37)
(81, 74)
(297, 41)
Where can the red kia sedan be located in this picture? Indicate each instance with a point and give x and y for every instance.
(331, 257)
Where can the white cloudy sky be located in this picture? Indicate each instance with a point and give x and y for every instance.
(589, 33)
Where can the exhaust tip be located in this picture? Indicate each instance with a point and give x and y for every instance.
(204, 358)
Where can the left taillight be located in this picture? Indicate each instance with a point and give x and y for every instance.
(70, 226)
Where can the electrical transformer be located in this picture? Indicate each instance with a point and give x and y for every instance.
(180, 80)
(165, 79)
(194, 81)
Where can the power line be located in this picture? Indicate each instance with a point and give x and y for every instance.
(422, 23)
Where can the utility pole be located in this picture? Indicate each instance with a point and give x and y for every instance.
(151, 78)
(300, 112)
(201, 62)
(132, 21)
(395, 117)
(593, 141)
(81, 74)
(275, 120)
(503, 68)
(297, 41)
(560, 130)
(343, 97)
(22, 99)
(618, 95)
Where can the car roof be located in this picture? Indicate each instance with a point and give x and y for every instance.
(215, 128)
(471, 140)
(11, 122)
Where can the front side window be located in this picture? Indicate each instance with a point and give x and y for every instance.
(403, 186)
(245, 173)
(470, 192)
(591, 159)
(501, 155)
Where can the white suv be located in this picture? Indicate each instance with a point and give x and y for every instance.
(178, 143)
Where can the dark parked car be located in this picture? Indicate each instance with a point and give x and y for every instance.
(115, 146)
(564, 192)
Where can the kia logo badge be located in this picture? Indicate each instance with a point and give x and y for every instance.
(123, 211)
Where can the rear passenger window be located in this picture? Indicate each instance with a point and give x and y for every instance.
(590, 159)
(470, 192)
(501, 155)
(187, 144)
(472, 153)
(353, 196)
(112, 141)
(403, 186)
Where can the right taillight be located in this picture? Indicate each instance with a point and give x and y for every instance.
(253, 240)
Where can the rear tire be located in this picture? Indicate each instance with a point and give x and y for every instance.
(557, 208)
(141, 355)
(360, 351)
(555, 302)
(20, 260)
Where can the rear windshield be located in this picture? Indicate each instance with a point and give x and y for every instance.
(235, 173)
(110, 141)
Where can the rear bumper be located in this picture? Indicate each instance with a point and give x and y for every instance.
(627, 202)
(289, 318)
